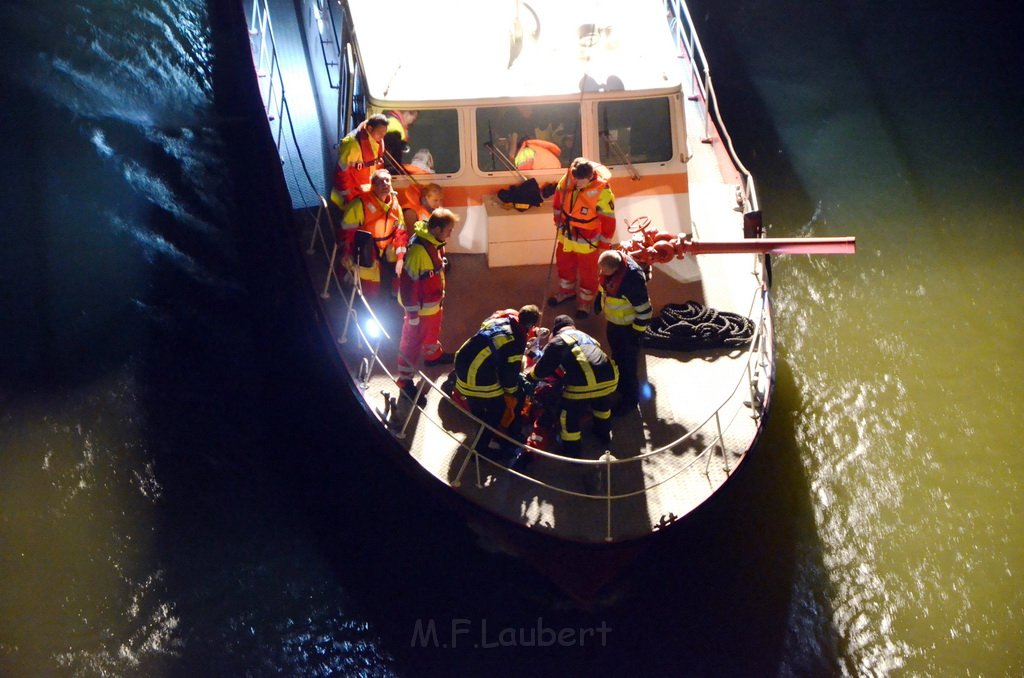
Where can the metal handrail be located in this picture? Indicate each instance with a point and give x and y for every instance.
(322, 8)
(266, 54)
(686, 39)
(275, 100)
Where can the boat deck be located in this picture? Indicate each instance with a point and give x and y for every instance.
(552, 493)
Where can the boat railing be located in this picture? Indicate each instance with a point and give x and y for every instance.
(271, 83)
(364, 359)
(334, 27)
(688, 42)
(330, 46)
(268, 67)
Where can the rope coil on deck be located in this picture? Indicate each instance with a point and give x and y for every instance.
(693, 326)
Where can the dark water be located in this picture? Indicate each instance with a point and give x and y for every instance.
(183, 493)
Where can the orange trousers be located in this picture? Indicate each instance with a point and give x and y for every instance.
(419, 342)
(578, 274)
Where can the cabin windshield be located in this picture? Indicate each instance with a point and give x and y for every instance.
(432, 140)
(537, 136)
(636, 130)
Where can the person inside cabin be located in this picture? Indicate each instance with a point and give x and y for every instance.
(396, 138)
(584, 211)
(534, 147)
(360, 152)
(373, 234)
(590, 377)
(537, 153)
(422, 162)
(487, 369)
(421, 293)
(627, 309)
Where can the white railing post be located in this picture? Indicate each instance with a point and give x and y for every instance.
(465, 462)
(351, 310)
(607, 457)
(415, 403)
(323, 210)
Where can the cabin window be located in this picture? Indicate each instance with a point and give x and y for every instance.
(539, 136)
(432, 143)
(640, 130)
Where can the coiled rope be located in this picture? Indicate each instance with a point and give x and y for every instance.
(693, 326)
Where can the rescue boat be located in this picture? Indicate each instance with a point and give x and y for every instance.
(624, 84)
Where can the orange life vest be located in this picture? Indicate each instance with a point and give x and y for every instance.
(579, 208)
(380, 220)
(538, 154)
(411, 198)
(350, 176)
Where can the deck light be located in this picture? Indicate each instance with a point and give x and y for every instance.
(372, 328)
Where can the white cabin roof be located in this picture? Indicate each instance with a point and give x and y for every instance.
(416, 51)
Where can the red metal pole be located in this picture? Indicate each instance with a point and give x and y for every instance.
(839, 245)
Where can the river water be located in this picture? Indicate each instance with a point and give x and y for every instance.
(180, 494)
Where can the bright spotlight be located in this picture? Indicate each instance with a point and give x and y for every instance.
(372, 329)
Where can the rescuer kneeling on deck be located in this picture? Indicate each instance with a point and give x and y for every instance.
(590, 378)
(487, 368)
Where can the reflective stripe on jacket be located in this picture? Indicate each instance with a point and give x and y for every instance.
(586, 216)
(625, 297)
(488, 363)
(589, 372)
(421, 284)
(382, 220)
(358, 157)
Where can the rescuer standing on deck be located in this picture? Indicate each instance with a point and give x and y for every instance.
(584, 209)
(421, 293)
(359, 154)
(627, 308)
(419, 200)
(372, 232)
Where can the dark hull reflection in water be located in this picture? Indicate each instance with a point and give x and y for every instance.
(183, 490)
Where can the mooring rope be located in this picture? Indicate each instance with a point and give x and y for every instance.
(693, 326)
